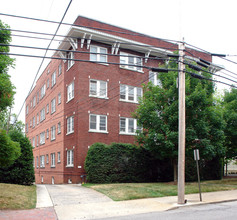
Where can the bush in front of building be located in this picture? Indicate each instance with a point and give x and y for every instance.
(117, 163)
(21, 171)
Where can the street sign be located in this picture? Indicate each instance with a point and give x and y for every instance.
(196, 154)
(197, 158)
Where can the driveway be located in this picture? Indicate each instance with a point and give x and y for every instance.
(62, 195)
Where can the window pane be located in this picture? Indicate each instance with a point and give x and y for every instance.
(122, 92)
(131, 93)
(122, 125)
(93, 122)
(93, 57)
(93, 86)
(152, 77)
(103, 89)
(139, 63)
(103, 123)
(130, 125)
(139, 93)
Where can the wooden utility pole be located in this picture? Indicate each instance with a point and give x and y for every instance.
(181, 151)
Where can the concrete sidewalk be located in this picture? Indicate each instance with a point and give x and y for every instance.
(139, 206)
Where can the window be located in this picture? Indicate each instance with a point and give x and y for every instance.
(37, 162)
(47, 108)
(26, 127)
(70, 125)
(34, 162)
(27, 109)
(98, 88)
(59, 127)
(153, 77)
(69, 158)
(128, 126)
(53, 132)
(47, 83)
(59, 69)
(98, 123)
(33, 142)
(59, 98)
(98, 54)
(42, 161)
(70, 91)
(52, 157)
(130, 61)
(42, 114)
(42, 91)
(53, 106)
(130, 93)
(33, 122)
(47, 133)
(70, 61)
(59, 157)
(42, 138)
(34, 101)
(47, 158)
(37, 140)
(53, 79)
(37, 118)
(37, 97)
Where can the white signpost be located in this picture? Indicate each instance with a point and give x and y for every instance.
(197, 158)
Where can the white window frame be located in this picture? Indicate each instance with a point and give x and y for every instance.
(42, 114)
(53, 79)
(70, 61)
(60, 69)
(37, 118)
(33, 122)
(125, 93)
(42, 164)
(98, 91)
(125, 60)
(53, 132)
(97, 55)
(47, 108)
(33, 142)
(37, 162)
(42, 91)
(52, 159)
(47, 158)
(97, 123)
(59, 98)
(70, 91)
(59, 127)
(126, 130)
(59, 157)
(70, 125)
(27, 109)
(153, 78)
(34, 101)
(70, 158)
(42, 138)
(47, 133)
(53, 105)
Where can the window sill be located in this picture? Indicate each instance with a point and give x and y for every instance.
(131, 134)
(94, 96)
(95, 131)
(69, 100)
(125, 68)
(122, 100)
(52, 166)
(99, 62)
(70, 166)
(70, 133)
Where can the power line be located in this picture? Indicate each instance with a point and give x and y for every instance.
(59, 24)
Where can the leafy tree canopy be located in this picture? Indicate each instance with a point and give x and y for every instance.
(158, 114)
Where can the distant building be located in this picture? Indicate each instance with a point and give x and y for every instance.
(87, 95)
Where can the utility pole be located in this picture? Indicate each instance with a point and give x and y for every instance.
(181, 151)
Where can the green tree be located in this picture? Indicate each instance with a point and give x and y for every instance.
(21, 171)
(230, 116)
(10, 150)
(158, 114)
(6, 87)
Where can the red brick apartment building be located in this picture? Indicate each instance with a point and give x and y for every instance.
(89, 96)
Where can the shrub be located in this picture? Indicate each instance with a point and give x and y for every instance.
(21, 171)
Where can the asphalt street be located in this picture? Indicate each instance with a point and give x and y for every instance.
(218, 211)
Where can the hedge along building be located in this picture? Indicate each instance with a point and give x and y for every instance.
(87, 93)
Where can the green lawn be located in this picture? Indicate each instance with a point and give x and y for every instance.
(14, 196)
(128, 191)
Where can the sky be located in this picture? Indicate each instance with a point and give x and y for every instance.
(207, 24)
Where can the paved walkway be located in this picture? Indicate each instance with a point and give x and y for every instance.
(66, 202)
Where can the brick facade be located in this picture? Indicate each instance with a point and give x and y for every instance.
(84, 105)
